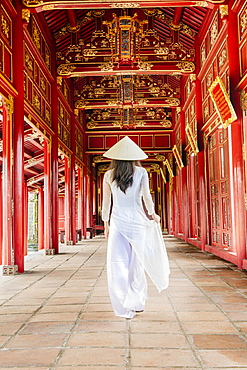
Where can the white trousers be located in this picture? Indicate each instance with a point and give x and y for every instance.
(126, 277)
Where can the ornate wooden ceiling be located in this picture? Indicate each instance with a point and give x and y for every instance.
(125, 59)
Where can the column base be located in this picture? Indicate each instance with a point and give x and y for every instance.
(10, 270)
(69, 242)
(50, 252)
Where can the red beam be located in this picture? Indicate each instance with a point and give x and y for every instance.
(177, 16)
(72, 19)
(108, 4)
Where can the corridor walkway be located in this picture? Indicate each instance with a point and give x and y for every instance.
(57, 315)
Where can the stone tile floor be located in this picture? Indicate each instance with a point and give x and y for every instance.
(57, 315)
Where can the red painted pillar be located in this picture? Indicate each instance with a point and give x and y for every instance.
(54, 159)
(41, 219)
(80, 199)
(68, 236)
(25, 217)
(236, 136)
(73, 191)
(91, 199)
(47, 198)
(54, 192)
(201, 157)
(18, 139)
(7, 185)
(184, 193)
(84, 203)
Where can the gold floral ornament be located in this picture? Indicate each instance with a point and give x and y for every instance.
(243, 21)
(144, 66)
(36, 37)
(243, 100)
(26, 16)
(125, 5)
(98, 158)
(47, 115)
(166, 123)
(160, 157)
(65, 69)
(91, 125)
(172, 102)
(107, 67)
(140, 123)
(223, 57)
(32, 3)
(142, 101)
(5, 26)
(36, 102)
(186, 66)
(42, 84)
(28, 62)
(223, 11)
(80, 104)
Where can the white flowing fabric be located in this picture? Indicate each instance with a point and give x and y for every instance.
(135, 244)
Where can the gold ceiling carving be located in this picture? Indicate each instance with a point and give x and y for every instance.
(126, 44)
(127, 90)
(125, 5)
(128, 117)
(32, 3)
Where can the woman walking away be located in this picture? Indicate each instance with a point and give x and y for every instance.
(135, 243)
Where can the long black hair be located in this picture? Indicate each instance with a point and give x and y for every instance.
(123, 172)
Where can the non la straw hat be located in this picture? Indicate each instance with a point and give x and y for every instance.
(125, 150)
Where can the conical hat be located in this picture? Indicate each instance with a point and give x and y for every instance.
(125, 150)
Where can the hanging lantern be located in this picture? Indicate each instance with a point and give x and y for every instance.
(125, 34)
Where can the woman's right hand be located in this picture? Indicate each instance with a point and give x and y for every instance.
(156, 218)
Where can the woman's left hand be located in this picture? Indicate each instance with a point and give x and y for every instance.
(106, 225)
(156, 218)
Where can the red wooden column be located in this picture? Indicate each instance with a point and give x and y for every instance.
(41, 219)
(184, 209)
(47, 199)
(68, 236)
(201, 155)
(85, 195)
(85, 203)
(54, 192)
(236, 136)
(18, 139)
(73, 176)
(91, 199)
(7, 258)
(80, 199)
(54, 158)
(25, 217)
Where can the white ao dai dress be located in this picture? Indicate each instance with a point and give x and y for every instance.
(135, 244)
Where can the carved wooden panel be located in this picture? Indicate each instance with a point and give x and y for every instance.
(79, 143)
(40, 41)
(210, 38)
(219, 196)
(5, 44)
(64, 120)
